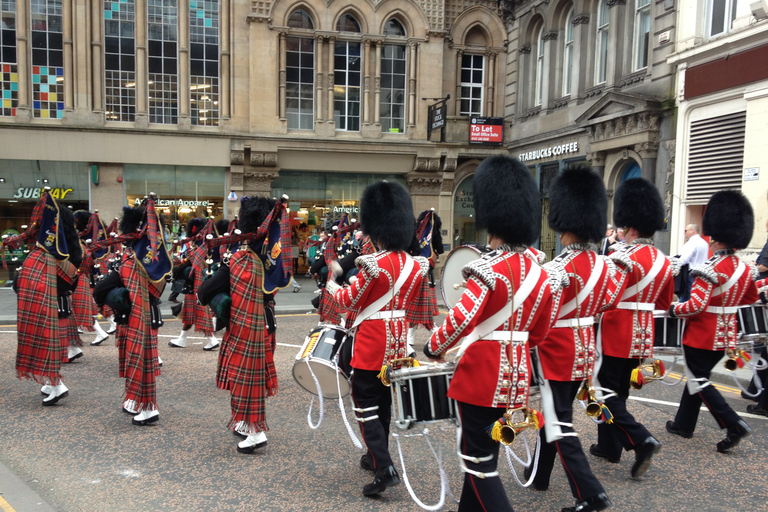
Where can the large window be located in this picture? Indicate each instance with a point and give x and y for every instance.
(393, 77)
(204, 62)
(346, 86)
(162, 51)
(601, 55)
(539, 86)
(47, 59)
(720, 16)
(472, 84)
(120, 60)
(568, 53)
(642, 33)
(9, 78)
(300, 75)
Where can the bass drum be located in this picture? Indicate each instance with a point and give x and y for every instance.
(451, 274)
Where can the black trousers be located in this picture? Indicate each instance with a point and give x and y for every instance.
(481, 494)
(700, 363)
(625, 431)
(583, 482)
(369, 392)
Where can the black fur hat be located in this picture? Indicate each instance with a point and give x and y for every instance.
(578, 204)
(131, 219)
(386, 215)
(194, 226)
(221, 226)
(507, 200)
(81, 219)
(67, 223)
(729, 219)
(253, 211)
(637, 204)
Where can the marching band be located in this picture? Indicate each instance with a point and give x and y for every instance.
(580, 326)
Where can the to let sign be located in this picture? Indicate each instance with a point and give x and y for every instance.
(486, 130)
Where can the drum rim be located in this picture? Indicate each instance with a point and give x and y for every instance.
(344, 384)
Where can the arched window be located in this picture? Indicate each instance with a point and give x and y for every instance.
(568, 53)
(300, 19)
(538, 92)
(601, 55)
(348, 23)
(632, 170)
(393, 80)
(300, 74)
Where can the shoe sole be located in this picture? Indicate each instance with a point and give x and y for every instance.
(147, 421)
(642, 468)
(113, 331)
(240, 435)
(604, 457)
(173, 345)
(251, 449)
(99, 342)
(78, 356)
(377, 492)
(213, 347)
(53, 401)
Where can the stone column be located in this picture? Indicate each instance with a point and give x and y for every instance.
(225, 110)
(615, 46)
(97, 57)
(142, 115)
(69, 72)
(412, 55)
(366, 82)
(490, 80)
(24, 107)
(331, 52)
(281, 48)
(377, 86)
(580, 54)
(457, 100)
(550, 40)
(319, 74)
(183, 97)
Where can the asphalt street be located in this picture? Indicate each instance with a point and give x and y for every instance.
(85, 455)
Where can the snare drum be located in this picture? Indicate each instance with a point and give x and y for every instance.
(668, 334)
(324, 352)
(451, 274)
(751, 321)
(420, 395)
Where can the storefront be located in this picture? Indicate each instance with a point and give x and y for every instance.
(21, 182)
(183, 192)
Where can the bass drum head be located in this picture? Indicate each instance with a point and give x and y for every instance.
(326, 374)
(451, 274)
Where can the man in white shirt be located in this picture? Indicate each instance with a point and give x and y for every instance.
(695, 252)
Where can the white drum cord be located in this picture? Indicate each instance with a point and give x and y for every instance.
(756, 364)
(445, 488)
(351, 432)
(311, 403)
(510, 453)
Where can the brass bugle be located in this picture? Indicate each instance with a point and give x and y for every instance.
(593, 408)
(730, 363)
(508, 433)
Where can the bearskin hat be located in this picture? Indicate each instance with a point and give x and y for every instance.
(253, 212)
(578, 204)
(222, 226)
(194, 226)
(81, 219)
(507, 200)
(131, 219)
(386, 215)
(729, 219)
(67, 224)
(637, 204)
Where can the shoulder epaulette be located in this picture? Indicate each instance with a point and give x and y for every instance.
(620, 258)
(558, 277)
(368, 262)
(706, 270)
(753, 269)
(482, 270)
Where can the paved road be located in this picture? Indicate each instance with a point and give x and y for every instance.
(84, 454)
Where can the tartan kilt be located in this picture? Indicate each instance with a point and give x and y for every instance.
(422, 310)
(141, 365)
(64, 324)
(225, 353)
(120, 335)
(73, 337)
(83, 307)
(329, 310)
(39, 340)
(250, 369)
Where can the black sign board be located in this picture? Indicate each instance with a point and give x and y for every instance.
(436, 115)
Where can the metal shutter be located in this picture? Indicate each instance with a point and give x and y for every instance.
(715, 156)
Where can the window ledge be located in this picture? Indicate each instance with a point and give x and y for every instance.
(634, 78)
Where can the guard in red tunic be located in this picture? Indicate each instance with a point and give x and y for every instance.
(626, 333)
(578, 211)
(720, 285)
(389, 282)
(506, 308)
(194, 314)
(45, 281)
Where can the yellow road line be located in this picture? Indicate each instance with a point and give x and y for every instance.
(718, 386)
(6, 506)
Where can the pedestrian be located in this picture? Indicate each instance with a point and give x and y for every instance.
(608, 240)
(722, 284)
(695, 252)
(387, 285)
(505, 309)
(566, 357)
(627, 332)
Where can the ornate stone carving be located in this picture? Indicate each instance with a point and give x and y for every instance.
(612, 3)
(270, 159)
(581, 19)
(259, 181)
(423, 184)
(257, 159)
(426, 164)
(264, 159)
(236, 157)
(597, 158)
(449, 164)
(525, 49)
(550, 36)
(236, 181)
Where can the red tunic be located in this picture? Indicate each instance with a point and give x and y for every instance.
(711, 310)
(564, 355)
(496, 373)
(627, 331)
(380, 340)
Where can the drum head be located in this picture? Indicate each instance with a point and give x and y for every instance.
(451, 274)
(326, 374)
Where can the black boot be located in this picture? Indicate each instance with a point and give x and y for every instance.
(643, 453)
(385, 477)
(599, 502)
(366, 463)
(733, 436)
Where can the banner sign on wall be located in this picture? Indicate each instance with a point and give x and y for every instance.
(486, 130)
